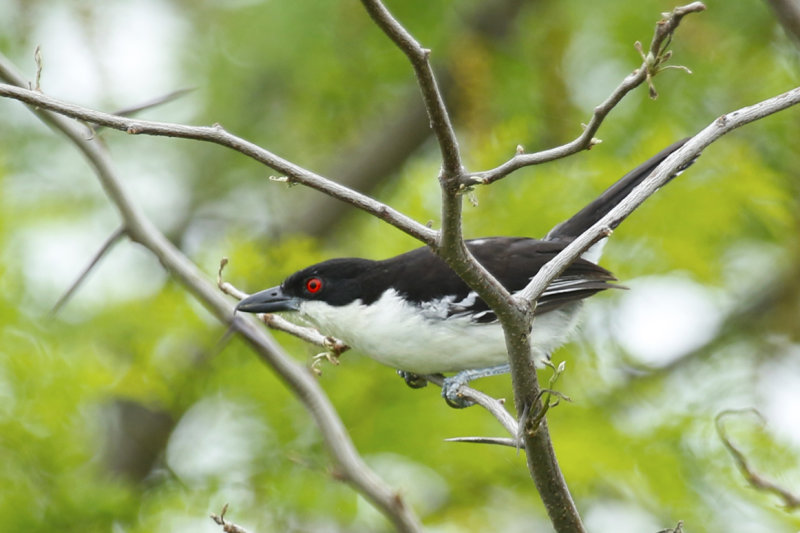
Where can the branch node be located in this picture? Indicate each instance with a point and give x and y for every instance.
(284, 179)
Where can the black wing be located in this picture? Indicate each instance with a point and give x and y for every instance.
(423, 278)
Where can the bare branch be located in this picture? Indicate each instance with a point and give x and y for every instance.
(155, 102)
(689, 151)
(104, 249)
(217, 135)
(790, 500)
(354, 470)
(652, 64)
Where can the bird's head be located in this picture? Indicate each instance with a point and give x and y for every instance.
(336, 282)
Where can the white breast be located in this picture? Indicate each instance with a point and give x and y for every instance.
(423, 340)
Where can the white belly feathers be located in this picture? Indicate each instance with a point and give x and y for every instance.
(424, 340)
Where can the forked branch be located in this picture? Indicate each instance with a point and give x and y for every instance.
(653, 62)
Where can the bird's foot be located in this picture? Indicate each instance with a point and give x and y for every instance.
(451, 392)
(414, 381)
(451, 388)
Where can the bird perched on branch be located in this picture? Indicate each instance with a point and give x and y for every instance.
(413, 313)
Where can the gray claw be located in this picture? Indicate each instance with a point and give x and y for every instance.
(451, 392)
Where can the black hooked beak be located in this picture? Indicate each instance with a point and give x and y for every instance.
(269, 301)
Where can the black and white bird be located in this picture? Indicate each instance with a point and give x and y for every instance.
(413, 313)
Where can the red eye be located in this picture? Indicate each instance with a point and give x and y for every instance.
(313, 285)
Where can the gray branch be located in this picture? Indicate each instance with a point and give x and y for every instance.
(689, 151)
(218, 135)
(652, 64)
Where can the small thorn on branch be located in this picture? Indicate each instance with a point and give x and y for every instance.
(499, 441)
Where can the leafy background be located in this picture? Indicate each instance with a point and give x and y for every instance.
(129, 411)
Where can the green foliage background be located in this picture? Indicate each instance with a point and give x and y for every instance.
(310, 80)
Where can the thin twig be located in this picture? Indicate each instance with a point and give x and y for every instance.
(756, 480)
(227, 527)
(155, 102)
(651, 65)
(150, 104)
(104, 249)
(689, 151)
(218, 135)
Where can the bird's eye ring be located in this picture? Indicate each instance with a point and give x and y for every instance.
(313, 285)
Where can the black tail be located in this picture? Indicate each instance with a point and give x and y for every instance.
(597, 209)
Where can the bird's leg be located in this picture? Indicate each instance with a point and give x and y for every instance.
(451, 385)
(414, 381)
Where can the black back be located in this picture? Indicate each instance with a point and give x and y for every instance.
(420, 276)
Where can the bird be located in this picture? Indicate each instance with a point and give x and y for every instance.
(413, 313)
